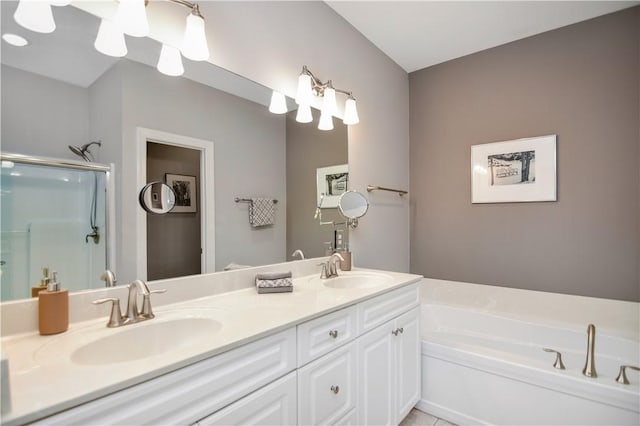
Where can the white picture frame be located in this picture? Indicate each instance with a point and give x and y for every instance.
(331, 183)
(516, 171)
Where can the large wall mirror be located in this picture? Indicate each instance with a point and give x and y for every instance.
(59, 91)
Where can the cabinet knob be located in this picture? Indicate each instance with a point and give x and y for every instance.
(401, 330)
(396, 332)
(335, 389)
(333, 333)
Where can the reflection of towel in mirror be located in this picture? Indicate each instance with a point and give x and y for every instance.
(262, 212)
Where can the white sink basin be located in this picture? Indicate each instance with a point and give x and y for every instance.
(145, 339)
(355, 280)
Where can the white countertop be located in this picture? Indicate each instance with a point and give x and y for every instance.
(44, 380)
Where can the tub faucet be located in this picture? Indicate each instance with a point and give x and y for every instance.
(589, 369)
(298, 253)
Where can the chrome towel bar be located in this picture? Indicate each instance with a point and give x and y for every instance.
(382, 188)
(248, 200)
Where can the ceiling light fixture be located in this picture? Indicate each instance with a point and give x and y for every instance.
(308, 86)
(15, 40)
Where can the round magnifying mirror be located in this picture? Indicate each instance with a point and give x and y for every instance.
(353, 204)
(157, 198)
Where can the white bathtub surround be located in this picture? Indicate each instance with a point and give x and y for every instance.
(483, 362)
(48, 374)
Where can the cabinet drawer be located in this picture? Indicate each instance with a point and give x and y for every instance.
(327, 387)
(274, 404)
(376, 311)
(322, 335)
(186, 395)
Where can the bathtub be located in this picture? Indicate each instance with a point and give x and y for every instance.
(483, 363)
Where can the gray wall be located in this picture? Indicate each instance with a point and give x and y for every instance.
(580, 82)
(34, 119)
(173, 240)
(307, 149)
(249, 150)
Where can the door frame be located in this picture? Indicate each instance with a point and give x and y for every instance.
(207, 195)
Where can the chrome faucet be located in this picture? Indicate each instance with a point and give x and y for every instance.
(589, 369)
(138, 286)
(133, 315)
(109, 278)
(329, 269)
(299, 253)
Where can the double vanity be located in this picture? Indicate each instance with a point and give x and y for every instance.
(343, 350)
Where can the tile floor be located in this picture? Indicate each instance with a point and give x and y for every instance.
(418, 418)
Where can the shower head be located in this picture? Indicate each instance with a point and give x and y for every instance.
(83, 150)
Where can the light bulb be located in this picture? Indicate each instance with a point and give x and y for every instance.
(194, 43)
(326, 121)
(350, 112)
(304, 93)
(278, 103)
(131, 18)
(304, 114)
(60, 2)
(110, 40)
(170, 62)
(329, 101)
(35, 15)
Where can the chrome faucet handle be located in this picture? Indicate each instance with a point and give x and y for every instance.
(115, 319)
(558, 362)
(323, 274)
(147, 312)
(622, 375)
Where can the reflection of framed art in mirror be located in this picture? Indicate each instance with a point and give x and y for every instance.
(332, 182)
(185, 189)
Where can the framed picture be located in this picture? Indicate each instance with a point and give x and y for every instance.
(185, 190)
(521, 170)
(331, 183)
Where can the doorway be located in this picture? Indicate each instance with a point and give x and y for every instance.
(181, 242)
(173, 240)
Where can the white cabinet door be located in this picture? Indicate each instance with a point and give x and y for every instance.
(376, 377)
(407, 362)
(274, 404)
(327, 387)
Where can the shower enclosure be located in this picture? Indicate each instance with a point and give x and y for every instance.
(55, 214)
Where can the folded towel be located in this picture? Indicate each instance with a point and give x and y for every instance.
(261, 290)
(273, 275)
(280, 282)
(262, 212)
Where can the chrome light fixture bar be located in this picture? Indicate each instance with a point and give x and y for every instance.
(130, 19)
(309, 86)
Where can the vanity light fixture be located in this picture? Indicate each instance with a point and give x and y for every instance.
(278, 103)
(130, 19)
(110, 40)
(170, 62)
(35, 15)
(308, 86)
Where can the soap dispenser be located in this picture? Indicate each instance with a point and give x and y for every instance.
(43, 283)
(53, 308)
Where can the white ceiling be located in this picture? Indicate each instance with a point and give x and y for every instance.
(418, 34)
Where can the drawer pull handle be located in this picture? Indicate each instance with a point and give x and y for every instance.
(335, 389)
(333, 333)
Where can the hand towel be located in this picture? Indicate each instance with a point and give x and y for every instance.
(262, 212)
(274, 282)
